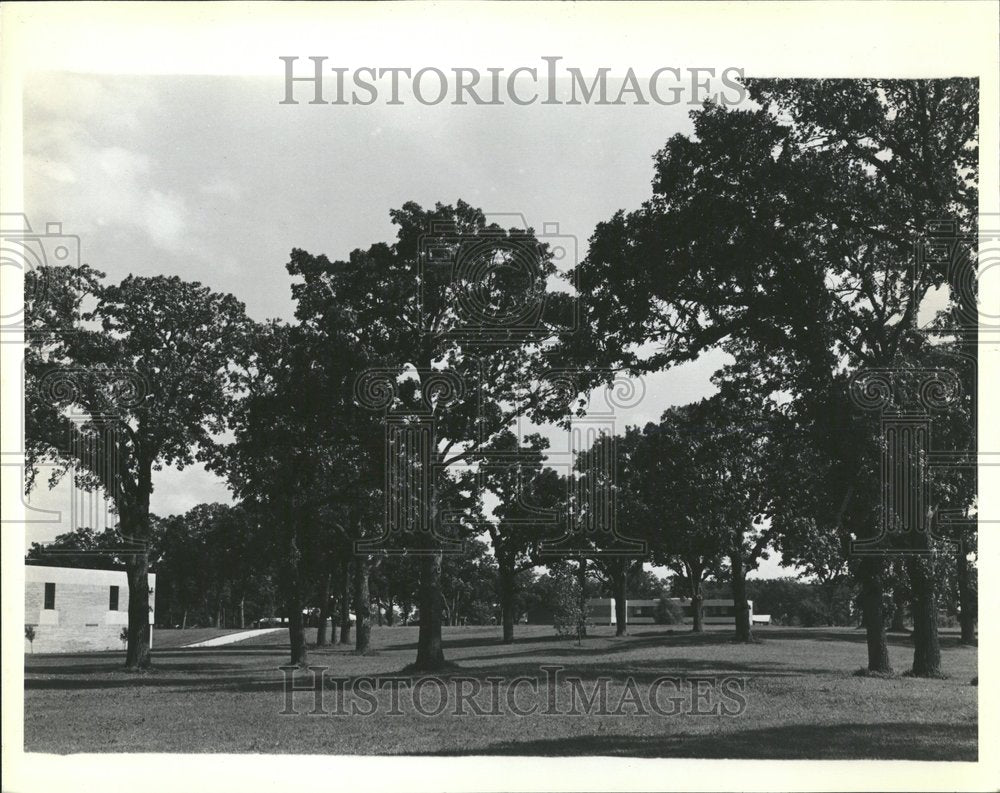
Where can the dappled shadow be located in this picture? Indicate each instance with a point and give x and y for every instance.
(902, 741)
(220, 683)
(477, 641)
(174, 652)
(610, 646)
(220, 677)
(194, 667)
(679, 635)
(849, 635)
(160, 666)
(600, 644)
(107, 671)
(233, 652)
(642, 671)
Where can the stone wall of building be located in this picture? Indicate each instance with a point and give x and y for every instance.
(82, 619)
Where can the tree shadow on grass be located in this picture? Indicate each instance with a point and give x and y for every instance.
(199, 677)
(641, 671)
(70, 663)
(678, 636)
(206, 684)
(601, 645)
(255, 668)
(184, 668)
(896, 741)
(477, 641)
(851, 635)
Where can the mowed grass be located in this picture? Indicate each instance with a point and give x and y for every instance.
(172, 638)
(802, 699)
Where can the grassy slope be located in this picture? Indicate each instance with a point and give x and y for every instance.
(172, 638)
(802, 699)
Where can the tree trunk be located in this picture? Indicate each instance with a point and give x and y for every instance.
(136, 567)
(966, 597)
(926, 649)
(296, 630)
(362, 605)
(430, 649)
(741, 607)
(870, 572)
(697, 613)
(581, 577)
(507, 577)
(184, 622)
(695, 570)
(620, 580)
(243, 614)
(831, 593)
(135, 521)
(324, 611)
(345, 601)
(390, 618)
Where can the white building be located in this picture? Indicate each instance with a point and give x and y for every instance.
(75, 609)
(601, 611)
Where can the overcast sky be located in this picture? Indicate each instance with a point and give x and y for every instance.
(211, 179)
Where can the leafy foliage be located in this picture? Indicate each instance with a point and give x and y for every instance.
(120, 380)
(668, 612)
(564, 600)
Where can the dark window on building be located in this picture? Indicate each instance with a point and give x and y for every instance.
(113, 604)
(50, 596)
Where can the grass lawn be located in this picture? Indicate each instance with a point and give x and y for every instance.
(172, 638)
(801, 698)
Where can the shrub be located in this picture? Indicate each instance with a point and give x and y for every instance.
(29, 634)
(668, 612)
(567, 616)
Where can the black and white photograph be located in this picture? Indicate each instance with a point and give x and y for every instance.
(500, 396)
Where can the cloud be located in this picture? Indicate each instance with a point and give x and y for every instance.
(130, 199)
(50, 170)
(120, 164)
(165, 219)
(113, 187)
(87, 98)
(221, 188)
(70, 167)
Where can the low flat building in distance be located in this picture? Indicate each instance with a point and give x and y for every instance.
(601, 611)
